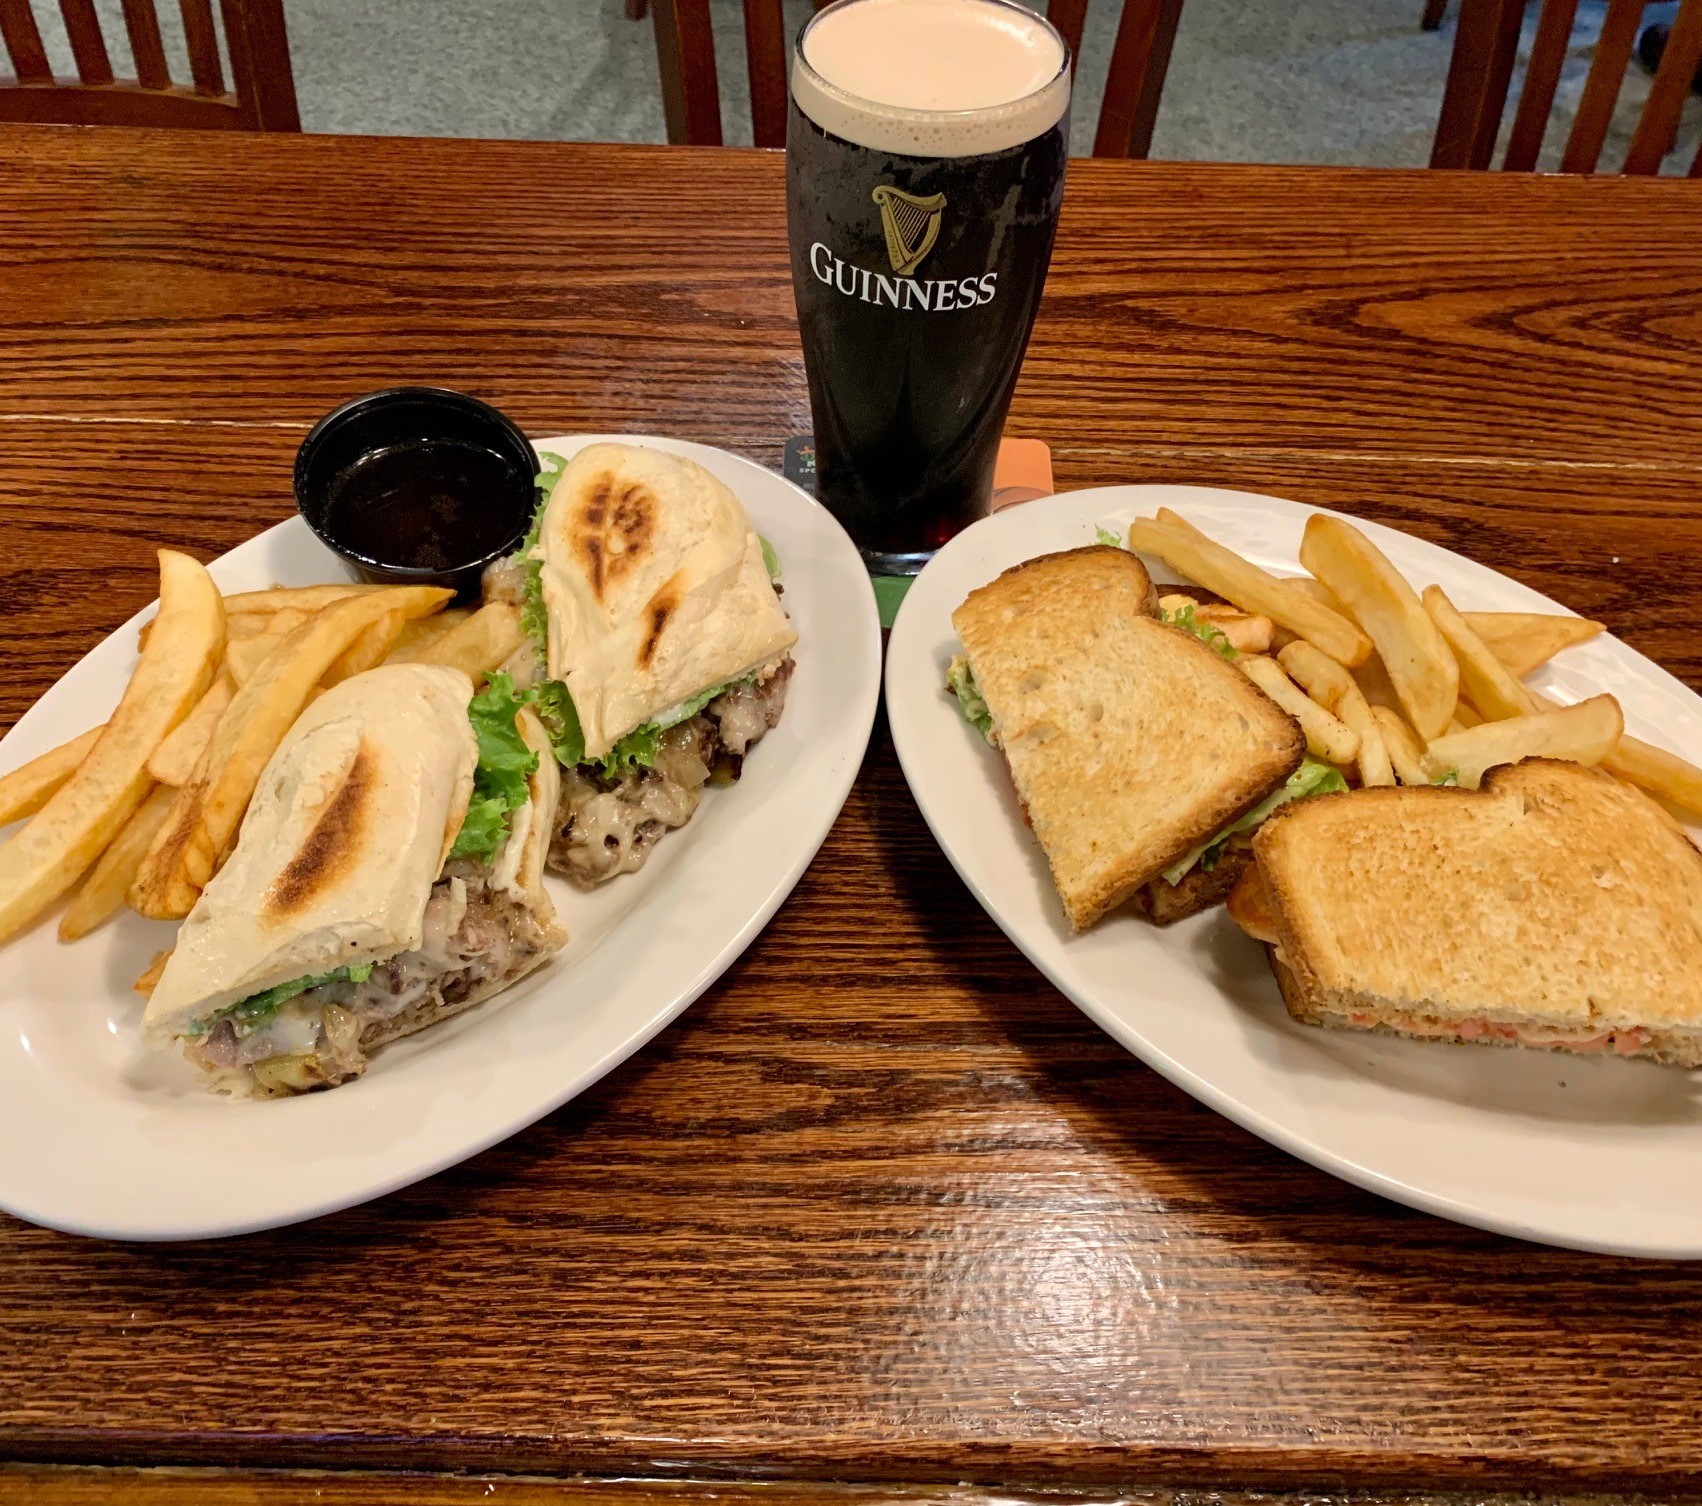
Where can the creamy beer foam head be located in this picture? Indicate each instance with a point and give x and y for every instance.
(932, 78)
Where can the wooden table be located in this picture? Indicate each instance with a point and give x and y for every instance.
(883, 1207)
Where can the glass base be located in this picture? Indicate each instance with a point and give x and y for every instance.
(895, 564)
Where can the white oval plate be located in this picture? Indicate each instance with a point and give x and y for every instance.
(99, 1136)
(1595, 1155)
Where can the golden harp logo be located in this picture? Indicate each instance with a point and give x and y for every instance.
(912, 225)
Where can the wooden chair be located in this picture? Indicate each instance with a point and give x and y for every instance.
(261, 96)
(691, 96)
(1482, 68)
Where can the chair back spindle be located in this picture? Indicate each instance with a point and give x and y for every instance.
(18, 30)
(146, 45)
(203, 42)
(261, 96)
(88, 46)
(1480, 75)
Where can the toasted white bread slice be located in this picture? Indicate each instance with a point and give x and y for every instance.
(1555, 907)
(1130, 742)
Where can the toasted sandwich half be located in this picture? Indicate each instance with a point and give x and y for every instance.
(1554, 908)
(1133, 745)
(658, 646)
(389, 876)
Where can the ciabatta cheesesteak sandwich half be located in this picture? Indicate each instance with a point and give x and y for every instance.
(659, 649)
(1141, 757)
(1554, 907)
(388, 876)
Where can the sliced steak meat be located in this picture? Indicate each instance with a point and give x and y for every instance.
(474, 935)
(606, 827)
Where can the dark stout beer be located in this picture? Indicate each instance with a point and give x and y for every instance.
(925, 166)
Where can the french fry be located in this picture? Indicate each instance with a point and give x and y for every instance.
(174, 761)
(1585, 733)
(1247, 632)
(31, 785)
(1657, 772)
(149, 980)
(1224, 572)
(52, 851)
(285, 620)
(1464, 718)
(1406, 752)
(1651, 769)
(247, 624)
(1525, 641)
(1375, 685)
(1417, 657)
(480, 643)
(367, 651)
(1319, 593)
(244, 657)
(301, 598)
(1333, 688)
(1327, 736)
(103, 891)
(256, 624)
(1494, 693)
(421, 631)
(198, 835)
(1316, 589)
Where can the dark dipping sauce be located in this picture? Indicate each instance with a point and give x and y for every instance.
(431, 504)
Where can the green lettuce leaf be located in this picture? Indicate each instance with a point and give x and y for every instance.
(560, 717)
(500, 777)
(960, 681)
(484, 830)
(1106, 536)
(638, 749)
(688, 708)
(1452, 778)
(770, 558)
(256, 1010)
(1311, 778)
(505, 762)
(534, 619)
(1214, 638)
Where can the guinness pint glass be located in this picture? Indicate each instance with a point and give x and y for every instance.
(925, 165)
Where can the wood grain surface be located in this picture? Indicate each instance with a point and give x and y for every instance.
(883, 1206)
(1542, 320)
(74, 1485)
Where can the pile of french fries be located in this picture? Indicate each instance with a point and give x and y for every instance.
(1397, 685)
(144, 809)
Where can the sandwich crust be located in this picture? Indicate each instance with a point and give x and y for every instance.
(333, 844)
(339, 848)
(656, 588)
(1553, 907)
(1130, 742)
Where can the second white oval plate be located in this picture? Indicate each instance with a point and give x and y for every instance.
(1594, 1155)
(99, 1136)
